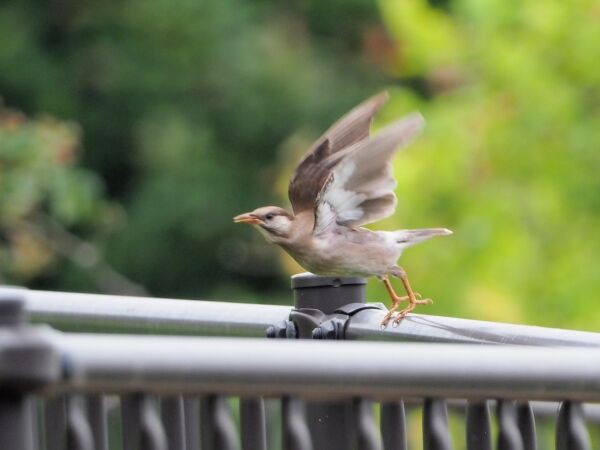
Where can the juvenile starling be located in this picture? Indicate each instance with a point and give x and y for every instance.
(344, 181)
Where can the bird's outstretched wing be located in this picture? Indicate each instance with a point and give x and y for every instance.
(315, 167)
(360, 187)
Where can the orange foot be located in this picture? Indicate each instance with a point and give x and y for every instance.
(395, 303)
(411, 306)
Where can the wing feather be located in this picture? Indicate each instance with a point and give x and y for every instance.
(360, 187)
(316, 165)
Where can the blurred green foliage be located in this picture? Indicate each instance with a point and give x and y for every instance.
(184, 106)
(41, 190)
(510, 159)
(192, 112)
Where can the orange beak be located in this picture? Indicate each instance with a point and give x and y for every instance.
(248, 218)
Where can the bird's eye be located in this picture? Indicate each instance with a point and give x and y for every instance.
(269, 216)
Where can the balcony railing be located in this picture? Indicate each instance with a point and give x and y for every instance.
(96, 372)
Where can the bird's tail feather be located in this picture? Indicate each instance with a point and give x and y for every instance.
(411, 237)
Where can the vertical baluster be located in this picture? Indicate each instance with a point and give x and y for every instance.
(218, 430)
(173, 418)
(130, 421)
(152, 431)
(479, 427)
(142, 427)
(295, 433)
(274, 422)
(526, 423)
(16, 421)
(368, 434)
(55, 423)
(393, 426)
(436, 435)
(79, 433)
(32, 405)
(191, 408)
(509, 435)
(253, 426)
(571, 432)
(40, 442)
(97, 417)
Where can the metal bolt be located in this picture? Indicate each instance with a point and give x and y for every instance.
(285, 329)
(271, 332)
(330, 329)
(317, 333)
(290, 330)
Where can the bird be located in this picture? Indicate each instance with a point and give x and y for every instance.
(345, 181)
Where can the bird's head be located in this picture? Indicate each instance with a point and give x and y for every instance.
(273, 222)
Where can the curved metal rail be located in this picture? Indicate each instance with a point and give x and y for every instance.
(141, 315)
(310, 369)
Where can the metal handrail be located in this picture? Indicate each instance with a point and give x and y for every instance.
(116, 313)
(113, 313)
(314, 380)
(365, 325)
(310, 369)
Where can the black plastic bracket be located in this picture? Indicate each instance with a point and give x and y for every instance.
(323, 306)
(313, 323)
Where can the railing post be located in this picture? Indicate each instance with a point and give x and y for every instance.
(97, 412)
(253, 427)
(79, 432)
(55, 422)
(393, 425)
(436, 435)
(142, 428)
(479, 427)
(218, 431)
(526, 423)
(173, 418)
(294, 430)
(509, 435)
(27, 362)
(318, 303)
(571, 432)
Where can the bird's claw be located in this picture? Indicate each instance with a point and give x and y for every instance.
(386, 320)
(403, 313)
(390, 314)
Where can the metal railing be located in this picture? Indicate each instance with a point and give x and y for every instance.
(171, 391)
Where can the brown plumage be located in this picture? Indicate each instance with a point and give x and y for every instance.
(345, 181)
(314, 168)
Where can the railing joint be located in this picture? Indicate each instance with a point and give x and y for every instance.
(28, 363)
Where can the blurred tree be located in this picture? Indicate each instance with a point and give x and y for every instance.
(510, 157)
(196, 111)
(42, 196)
(185, 105)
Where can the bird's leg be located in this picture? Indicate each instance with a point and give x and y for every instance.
(396, 299)
(412, 297)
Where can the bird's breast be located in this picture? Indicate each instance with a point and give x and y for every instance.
(338, 255)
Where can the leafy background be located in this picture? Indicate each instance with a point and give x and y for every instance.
(131, 132)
